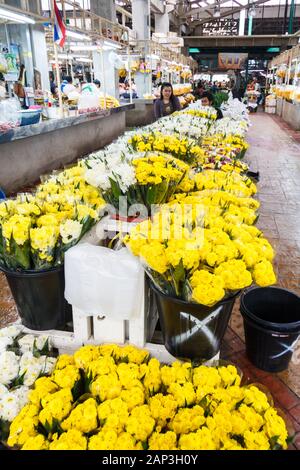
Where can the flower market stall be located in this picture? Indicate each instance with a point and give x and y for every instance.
(160, 223)
(286, 69)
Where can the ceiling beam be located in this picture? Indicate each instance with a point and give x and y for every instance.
(158, 6)
(194, 11)
(229, 12)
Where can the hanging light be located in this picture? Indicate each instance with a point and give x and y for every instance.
(217, 11)
(252, 10)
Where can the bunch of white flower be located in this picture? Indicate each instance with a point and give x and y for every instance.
(29, 342)
(235, 110)
(104, 167)
(11, 402)
(9, 367)
(227, 126)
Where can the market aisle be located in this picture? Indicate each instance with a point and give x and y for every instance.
(275, 153)
(277, 157)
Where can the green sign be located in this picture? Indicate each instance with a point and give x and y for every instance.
(273, 49)
(194, 49)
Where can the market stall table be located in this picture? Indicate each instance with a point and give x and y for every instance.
(38, 149)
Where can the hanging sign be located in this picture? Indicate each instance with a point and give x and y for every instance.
(222, 27)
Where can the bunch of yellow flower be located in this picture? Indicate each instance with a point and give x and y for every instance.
(189, 408)
(206, 112)
(184, 149)
(36, 229)
(231, 182)
(156, 169)
(231, 146)
(211, 249)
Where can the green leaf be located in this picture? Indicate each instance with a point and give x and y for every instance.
(78, 388)
(18, 380)
(238, 404)
(274, 444)
(151, 195)
(115, 188)
(4, 430)
(87, 380)
(145, 445)
(239, 439)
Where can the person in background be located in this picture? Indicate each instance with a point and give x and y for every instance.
(214, 88)
(168, 103)
(207, 100)
(199, 90)
(19, 87)
(97, 83)
(67, 86)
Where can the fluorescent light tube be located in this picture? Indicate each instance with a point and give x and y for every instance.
(12, 16)
(74, 34)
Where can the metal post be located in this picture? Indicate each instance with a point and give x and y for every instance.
(129, 73)
(57, 70)
(285, 16)
(103, 76)
(291, 18)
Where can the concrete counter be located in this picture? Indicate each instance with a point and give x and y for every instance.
(142, 115)
(291, 114)
(30, 151)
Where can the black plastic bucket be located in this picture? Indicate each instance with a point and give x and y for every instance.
(191, 330)
(272, 326)
(39, 296)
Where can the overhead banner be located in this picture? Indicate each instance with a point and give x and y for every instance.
(232, 60)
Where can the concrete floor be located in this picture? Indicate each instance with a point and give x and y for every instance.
(275, 152)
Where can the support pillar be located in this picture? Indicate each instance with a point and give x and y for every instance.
(242, 22)
(162, 23)
(141, 24)
(141, 18)
(104, 8)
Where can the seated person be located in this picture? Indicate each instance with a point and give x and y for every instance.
(168, 103)
(207, 100)
(67, 86)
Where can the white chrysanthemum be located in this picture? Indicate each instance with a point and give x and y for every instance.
(125, 176)
(9, 407)
(70, 230)
(4, 342)
(9, 367)
(11, 331)
(12, 402)
(30, 366)
(49, 364)
(22, 394)
(41, 341)
(26, 343)
(3, 390)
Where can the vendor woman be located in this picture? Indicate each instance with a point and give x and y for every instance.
(167, 103)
